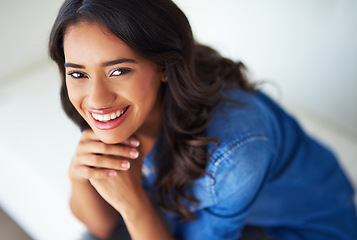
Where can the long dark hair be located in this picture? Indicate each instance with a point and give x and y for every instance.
(159, 31)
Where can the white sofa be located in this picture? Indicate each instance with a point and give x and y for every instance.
(36, 144)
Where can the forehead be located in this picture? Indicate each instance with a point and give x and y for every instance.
(92, 41)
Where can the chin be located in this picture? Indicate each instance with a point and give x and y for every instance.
(109, 139)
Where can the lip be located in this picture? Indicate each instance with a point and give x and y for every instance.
(107, 111)
(112, 123)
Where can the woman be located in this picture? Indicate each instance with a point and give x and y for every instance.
(176, 144)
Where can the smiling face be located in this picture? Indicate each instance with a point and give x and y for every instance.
(115, 90)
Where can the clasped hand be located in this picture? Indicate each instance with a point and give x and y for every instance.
(114, 170)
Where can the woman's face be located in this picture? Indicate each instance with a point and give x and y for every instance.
(114, 89)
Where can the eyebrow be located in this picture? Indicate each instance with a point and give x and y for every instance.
(118, 61)
(106, 64)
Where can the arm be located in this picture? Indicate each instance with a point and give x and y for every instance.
(102, 188)
(140, 217)
(144, 222)
(125, 193)
(91, 209)
(86, 203)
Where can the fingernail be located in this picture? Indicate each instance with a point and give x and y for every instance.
(134, 153)
(134, 142)
(112, 173)
(125, 164)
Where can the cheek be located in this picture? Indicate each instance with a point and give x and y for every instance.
(146, 92)
(74, 95)
(143, 89)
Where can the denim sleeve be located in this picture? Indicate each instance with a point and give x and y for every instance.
(239, 173)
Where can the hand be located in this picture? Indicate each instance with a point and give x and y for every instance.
(94, 159)
(113, 170)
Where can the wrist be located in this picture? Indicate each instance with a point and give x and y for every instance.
(76, 178)
(140, 204)
(77, 183)
(144, 222)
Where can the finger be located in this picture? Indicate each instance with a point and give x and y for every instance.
(108, 149)
(106, 162)
(95, 173)
(132, 141)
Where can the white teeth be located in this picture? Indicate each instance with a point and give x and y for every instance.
(107, 117)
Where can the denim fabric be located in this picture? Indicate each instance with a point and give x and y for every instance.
(268, 173)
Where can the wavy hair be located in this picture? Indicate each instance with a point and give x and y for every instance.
(159, 31)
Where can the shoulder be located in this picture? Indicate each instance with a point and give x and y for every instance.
(241, 113)
(242, 160)
(242, 117)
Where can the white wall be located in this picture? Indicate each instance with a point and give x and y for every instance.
(307, 48)
(24, 29)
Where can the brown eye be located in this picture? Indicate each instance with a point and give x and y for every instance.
(120, 71)
(76, 75)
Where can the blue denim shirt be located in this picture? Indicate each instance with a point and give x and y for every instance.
(268, 173)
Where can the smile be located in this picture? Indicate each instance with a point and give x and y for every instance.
(110, 116)
(109, 119)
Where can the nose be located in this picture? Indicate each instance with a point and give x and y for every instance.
(101, 95)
